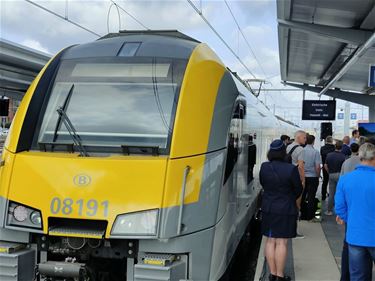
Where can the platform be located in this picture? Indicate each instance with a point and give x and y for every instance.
(315, 257)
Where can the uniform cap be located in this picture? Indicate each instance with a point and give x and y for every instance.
(277, 145)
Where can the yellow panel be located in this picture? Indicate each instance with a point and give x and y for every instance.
(6, 172)
(15, 129)
(193, 123)
(175, 175)
(82, 235)
(196, 103)
(129, 184)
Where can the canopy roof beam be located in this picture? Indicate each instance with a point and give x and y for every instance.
(336, 93)
(340, 34)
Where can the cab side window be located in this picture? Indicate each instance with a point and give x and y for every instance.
(235, 141)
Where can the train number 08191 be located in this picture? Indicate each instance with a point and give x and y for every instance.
(88, 208)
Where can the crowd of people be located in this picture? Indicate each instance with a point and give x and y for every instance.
(290, 180)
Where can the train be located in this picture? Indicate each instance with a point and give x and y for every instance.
(128, 160)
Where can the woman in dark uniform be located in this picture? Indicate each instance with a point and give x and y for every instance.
(282, 186)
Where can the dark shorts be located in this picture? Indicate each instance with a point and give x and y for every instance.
(279, 226)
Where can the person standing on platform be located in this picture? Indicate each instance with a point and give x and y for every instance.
(251, 160)
(312, 166)
(295, 153)
(355, 206)
(333, 165)
(324, 150)
(295, 150)
(285, 139)
(282, 186)
(348, 166)
(355, 137)
(346, 147)
(362, 140)
(352, 162)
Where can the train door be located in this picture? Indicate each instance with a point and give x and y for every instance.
(240, 142)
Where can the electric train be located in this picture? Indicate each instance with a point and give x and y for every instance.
(128, 160)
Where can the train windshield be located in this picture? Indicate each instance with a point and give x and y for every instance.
(114, 103)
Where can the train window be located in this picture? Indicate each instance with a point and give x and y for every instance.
(109, 110)
(129, 49)
(159, 70)
(235, 140)
(240, 111)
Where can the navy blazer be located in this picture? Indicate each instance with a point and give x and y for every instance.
(282, 186)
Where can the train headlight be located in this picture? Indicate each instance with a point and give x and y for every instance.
(139, 223)
(36, 218)
(23, 216)
(20, 213)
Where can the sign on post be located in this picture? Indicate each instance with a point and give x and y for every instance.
(340, 115)
(319, 110)
(353, 116)
(371, 76)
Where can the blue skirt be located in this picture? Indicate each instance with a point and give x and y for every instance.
(279, 226)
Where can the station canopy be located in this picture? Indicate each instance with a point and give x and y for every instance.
(327, 46)
(18, 67)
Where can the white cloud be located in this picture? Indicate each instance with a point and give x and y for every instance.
(257, 30)
(33, 44)
(19, 19)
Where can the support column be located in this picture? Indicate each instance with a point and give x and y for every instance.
(346, 119)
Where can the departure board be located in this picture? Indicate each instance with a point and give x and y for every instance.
(319, 110)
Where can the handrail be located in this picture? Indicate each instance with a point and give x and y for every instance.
(182, 199)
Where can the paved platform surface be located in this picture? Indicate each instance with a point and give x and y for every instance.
(310, 257)
(316, 257)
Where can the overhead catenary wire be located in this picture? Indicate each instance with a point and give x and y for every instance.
(63, 18)
(220, 37)
(244, 37)
(249, 46)
(130, 15)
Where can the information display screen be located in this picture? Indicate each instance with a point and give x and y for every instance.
(367, 129)
(319, 110)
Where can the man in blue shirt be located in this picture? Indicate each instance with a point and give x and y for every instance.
(334, 161)
(355, 205)
(346, 147)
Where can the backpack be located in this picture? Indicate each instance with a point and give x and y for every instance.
(288, 157)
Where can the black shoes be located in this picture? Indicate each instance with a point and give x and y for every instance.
(285, 278)
(272, 277)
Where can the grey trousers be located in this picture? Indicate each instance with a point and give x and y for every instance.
(333, 179)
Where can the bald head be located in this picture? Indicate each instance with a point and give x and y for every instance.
(346, 140)
(300, 137)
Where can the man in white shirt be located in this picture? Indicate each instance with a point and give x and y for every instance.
(312, 166)
(295, 150)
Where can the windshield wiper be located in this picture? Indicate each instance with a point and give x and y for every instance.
(72, 131)
(64, 106)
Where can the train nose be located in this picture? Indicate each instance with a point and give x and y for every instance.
(88, 188)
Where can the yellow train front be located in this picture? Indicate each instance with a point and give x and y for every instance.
(127, 160)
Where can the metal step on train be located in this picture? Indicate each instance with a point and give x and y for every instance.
(16, 262)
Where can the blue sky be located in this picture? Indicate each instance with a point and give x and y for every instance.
(25, 24)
